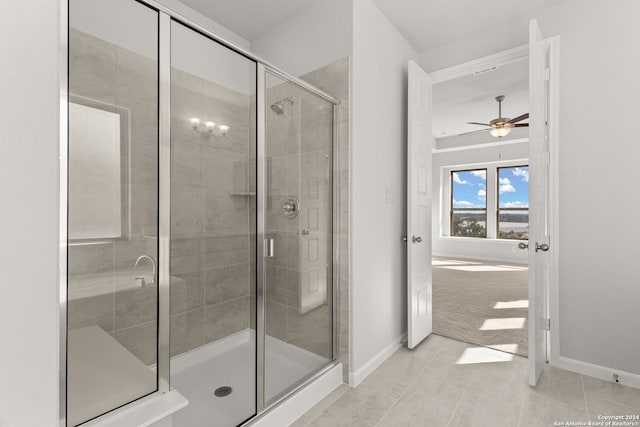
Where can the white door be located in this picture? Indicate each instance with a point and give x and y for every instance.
(419, 145)
(538, 200)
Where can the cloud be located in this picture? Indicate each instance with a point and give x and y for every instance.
(505, 186)
(462, 204)
(482, 194)
(457, 180)
(521, 172)
(480, 174)
(516, 204)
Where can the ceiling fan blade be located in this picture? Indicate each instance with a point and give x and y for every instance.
(520, 125)
(473, 131)
(519, 118)
(479, 124)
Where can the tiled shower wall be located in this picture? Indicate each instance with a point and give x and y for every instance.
(334, 80)
(299, 276)
(104, 75)
(210, 249)
(210, 205)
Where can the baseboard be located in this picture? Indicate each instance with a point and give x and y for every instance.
(481, 258)
(358, 376)
(597, 371)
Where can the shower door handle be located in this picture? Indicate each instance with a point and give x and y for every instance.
(269, 248)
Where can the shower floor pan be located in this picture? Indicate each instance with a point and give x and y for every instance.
(230, 362)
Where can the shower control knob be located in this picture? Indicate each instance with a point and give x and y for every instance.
(291, 207)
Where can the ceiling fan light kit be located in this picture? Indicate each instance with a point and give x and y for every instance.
(499, 132)
(501, 126)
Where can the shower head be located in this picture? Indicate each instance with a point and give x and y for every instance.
(278, 107)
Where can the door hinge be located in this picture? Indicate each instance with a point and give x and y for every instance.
(547, 324)
(547, 74)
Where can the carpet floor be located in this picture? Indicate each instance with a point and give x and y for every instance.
(484, 303)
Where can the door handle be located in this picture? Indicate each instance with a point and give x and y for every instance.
(416, 239)
(523, 245)
(269, 248)
(543, 247)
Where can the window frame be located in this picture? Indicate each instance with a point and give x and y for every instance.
(499, 209)
(452, 209)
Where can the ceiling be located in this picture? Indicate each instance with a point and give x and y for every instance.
(426, 24)
(248, 18)
(471, 99)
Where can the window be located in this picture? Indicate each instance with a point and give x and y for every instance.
(469, 203)
(513, 203)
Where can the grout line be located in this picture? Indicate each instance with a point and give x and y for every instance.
(397, 400)
(386, 412)
(321, 412)
(543, 396)
(522, 405)
(584, 394)
(458, 404)
(617, 402)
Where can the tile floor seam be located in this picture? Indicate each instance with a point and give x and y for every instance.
(584, 394)
(522, 405)
(455, 408)
(415, 378)
(308, 423)
(617, 402)
(386, 412)
(556, 400)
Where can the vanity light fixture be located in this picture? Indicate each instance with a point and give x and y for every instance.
(224, 130)
(219, 131)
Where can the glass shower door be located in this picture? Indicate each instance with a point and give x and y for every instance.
(299, 235)
(213, 221)
(112, 293)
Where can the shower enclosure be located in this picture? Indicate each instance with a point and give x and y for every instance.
(201, 220)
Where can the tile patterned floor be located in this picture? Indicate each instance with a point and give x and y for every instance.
(432, 386)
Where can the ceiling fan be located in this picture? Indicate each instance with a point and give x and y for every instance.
(502, 125)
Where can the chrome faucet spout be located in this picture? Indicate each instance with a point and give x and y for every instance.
(153, 266)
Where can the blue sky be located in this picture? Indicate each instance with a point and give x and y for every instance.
(470, 188)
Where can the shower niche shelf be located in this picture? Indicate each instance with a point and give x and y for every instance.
(243, 193)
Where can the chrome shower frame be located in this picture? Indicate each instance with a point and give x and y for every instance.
(166, 16)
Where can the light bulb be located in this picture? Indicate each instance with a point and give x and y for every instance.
(210, 126)
(224, 129)
(195, 123)
(499, 132)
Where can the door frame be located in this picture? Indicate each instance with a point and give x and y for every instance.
(486, 64)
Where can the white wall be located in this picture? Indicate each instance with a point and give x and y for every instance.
(198, 18)
(29, 216)
(316, 36)
(599, 68)
(378, 220)
(29, 307)
(599, 275)
(474, 248)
